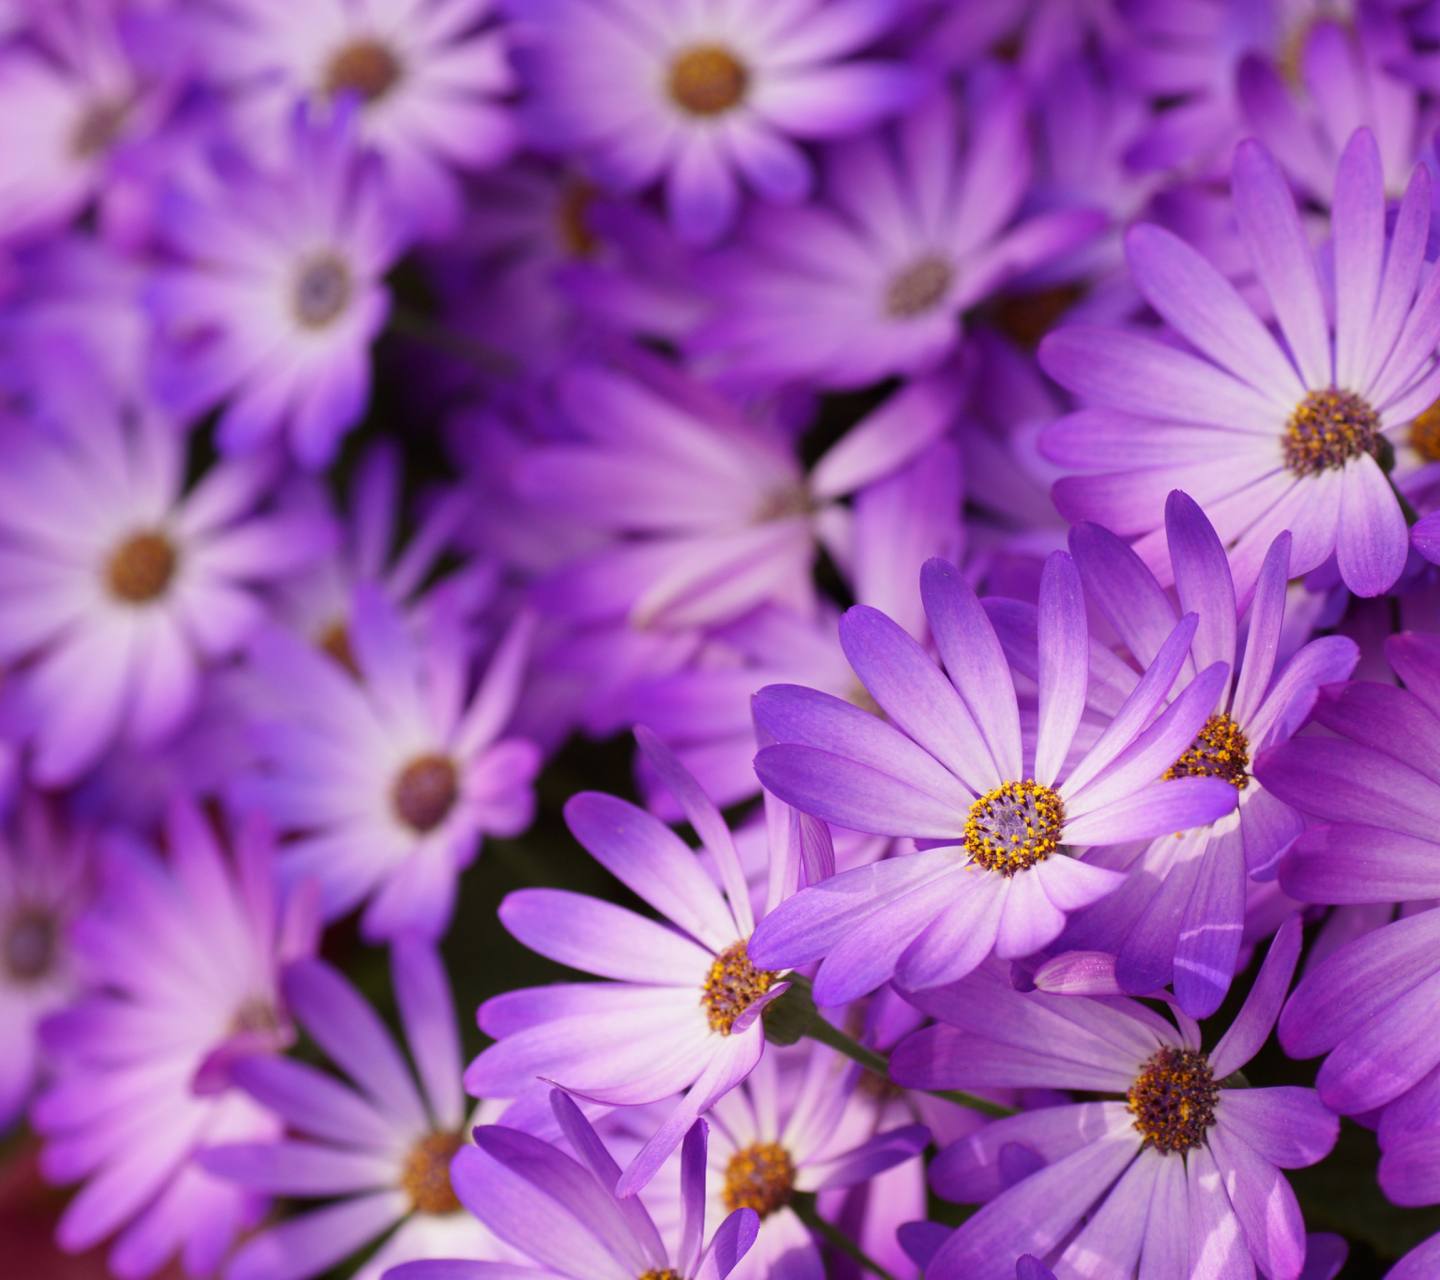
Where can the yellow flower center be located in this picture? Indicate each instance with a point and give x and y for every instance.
(760, 1177)
(1015, 826)
(1328, 429)
(1173, 1100)
(732, 986)
(142, 568)
(1219, 751)
(425, 1175)
(707, 80)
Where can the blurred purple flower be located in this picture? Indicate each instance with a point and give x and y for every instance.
(280, 294)
(684, 1009)
(1001, 825)
(700, 96)
(379, 1146)
(919, 223)
(116, 587)
(180, 958)
(1101, 1179)
(428, 76)
(570, 1217)
(45, 873)
(388, 777)
(1180, 913)
(1265, 440)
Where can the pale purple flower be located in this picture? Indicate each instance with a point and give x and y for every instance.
(1183, 1178)
(45, 881)
(278, 294)
(683, 1009)
(919, 222)
(708, 513)
(388, 777)
(1004, 820)
(703, 96)
(1264, 436)
(117, 587)
(567, 1213)
(380, 1147)
(428, 76)
(1180, 915)
(179, 958)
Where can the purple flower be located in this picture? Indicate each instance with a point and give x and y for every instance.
(1347, 72)
(389, 778)
(771, 1138)
(180, 959)
(280, 295)
(701, 96)
(684, 1009)
(379, 1146)
(709, 513)
(1180, 914)
(426, 74)
(1191, 1161)
(918, 224)
(1376, 790)
(1264, 437)
(1001, 824)
(44, 883)
(116, 587)
(570, 1217)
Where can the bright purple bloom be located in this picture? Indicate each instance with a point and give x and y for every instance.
(427, 75)
(1265, 437)
(379, 1145)
(771, 1137)
(1182, 1178)
(180, 958)
(117, 587)
(918, 224)
(570, 1217)
(390, 775)
(701, 96)
(1003, 822)
(1180, 915)
(1347, 71)
(1376, 789)
(684, 1009)
(710, 514)
(281, 294)
(44, 883)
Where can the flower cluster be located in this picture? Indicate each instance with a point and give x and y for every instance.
(665, 639)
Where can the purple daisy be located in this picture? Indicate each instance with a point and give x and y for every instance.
(180, 958)
(1376, 790)
(379, 1145)
(569, 1216)
(919, 222)
(390, 779)
(116, 587)
(1003, 826)
(707, 513)
(280, 294)
(700, 95)
(1346, 71)
(44, 884)
(1181, 913)
(1182, 1178)
(1264, 437)
(771, 1138)
(428, 75)
(684, 1009)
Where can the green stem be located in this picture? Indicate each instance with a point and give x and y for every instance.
(408, 323)
(804, 1206)
(794, 1016)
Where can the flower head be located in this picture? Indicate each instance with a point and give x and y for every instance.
(279, 294)
(389, 777)
(1181, 1176)
(179, 958)
(1266, 437)
(380, 1145)
(1001, 823)
(703, 96)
